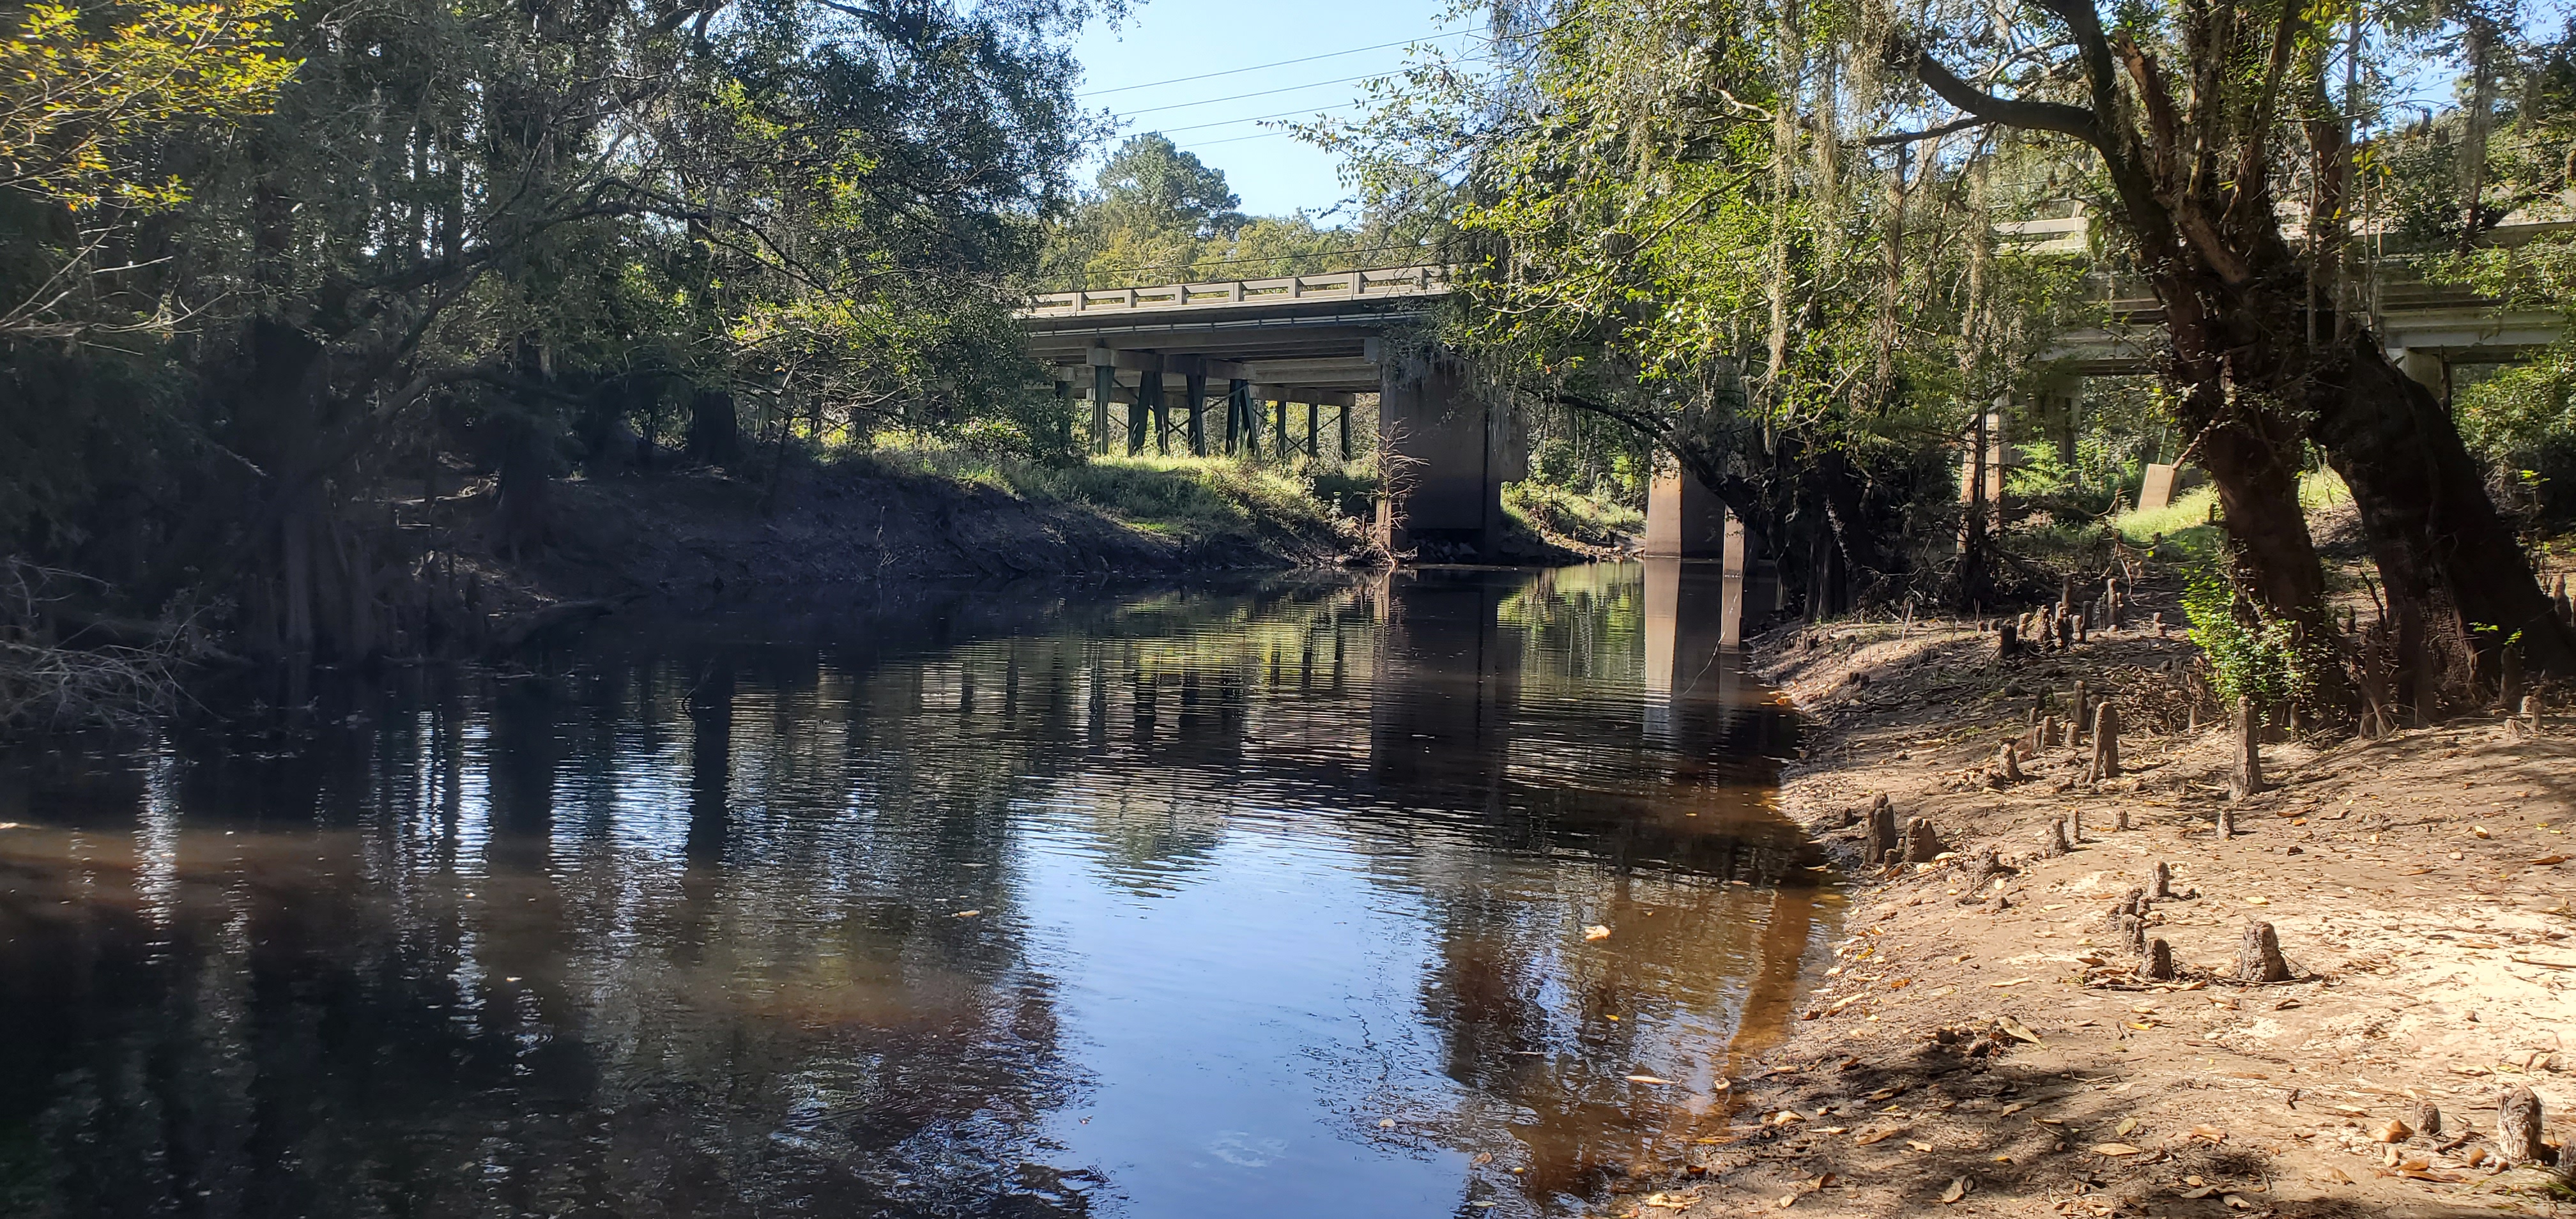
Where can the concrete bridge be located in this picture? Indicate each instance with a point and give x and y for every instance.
(1250, 366)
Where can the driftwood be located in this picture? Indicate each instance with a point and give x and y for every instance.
(518, 631)
(2258, 956)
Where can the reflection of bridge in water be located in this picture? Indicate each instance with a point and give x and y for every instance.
(704, 884)
(1267, 357)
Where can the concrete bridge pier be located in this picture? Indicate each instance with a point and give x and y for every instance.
(1445, 453)
(1684, 519)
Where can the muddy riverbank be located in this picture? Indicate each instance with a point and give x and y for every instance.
(1970, 1055)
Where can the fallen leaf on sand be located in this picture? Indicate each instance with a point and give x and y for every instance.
(1671, 1202)
(2014, 982)
(2336, 1175)
(2258, 901)
(2114, 1149)
(1959, 1188)
(2127, 1124)
(2393, 1131)
(2236, 1202)
(2202, 1192)
(1918, 1144)
(2546, 861)
(2480, 831)
(2212, 1133)
(1596, 932)
(2017, 1030)
(1647, 1079)
(1879, 1136)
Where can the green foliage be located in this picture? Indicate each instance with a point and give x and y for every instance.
(1589, 519)
(2248, 655)
(1157, 215)
(497, 237)
(89, 94)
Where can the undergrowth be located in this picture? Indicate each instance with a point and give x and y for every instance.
(1189, 495)
(1589, 519)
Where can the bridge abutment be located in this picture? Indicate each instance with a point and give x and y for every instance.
(1444, 454)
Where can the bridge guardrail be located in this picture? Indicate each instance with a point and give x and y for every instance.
(1371, 284)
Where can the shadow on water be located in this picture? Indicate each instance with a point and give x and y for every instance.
(1027, 901)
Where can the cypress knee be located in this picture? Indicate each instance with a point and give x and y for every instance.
(2052, 837)
(1921, 841)
(2226, 822)
(2258, 958)
(1882, 830)
(2248, 778)
(2007, 764)
(2160, 882)
(2518, 1127)
(2106, 743)
(2425, 1117)
(2159, 961)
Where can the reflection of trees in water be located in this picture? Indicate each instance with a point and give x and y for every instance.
(671, 929)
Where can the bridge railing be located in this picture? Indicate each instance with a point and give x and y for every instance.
(1373, 284)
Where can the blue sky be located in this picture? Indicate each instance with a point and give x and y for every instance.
(1165, 39)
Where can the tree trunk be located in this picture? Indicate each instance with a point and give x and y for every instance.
(2449, 560)
(715, 436)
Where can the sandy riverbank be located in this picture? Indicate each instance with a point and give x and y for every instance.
(2415, 883)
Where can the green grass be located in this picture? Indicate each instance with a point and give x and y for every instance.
(2185, 522)
(1590, 520)
(1178, 496)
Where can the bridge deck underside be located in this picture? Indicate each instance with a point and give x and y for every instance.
(1311, 345)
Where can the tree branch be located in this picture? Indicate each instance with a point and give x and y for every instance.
(1902, 54)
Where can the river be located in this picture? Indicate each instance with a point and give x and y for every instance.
(1262, 901)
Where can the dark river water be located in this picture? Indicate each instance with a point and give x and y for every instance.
(1254, 902)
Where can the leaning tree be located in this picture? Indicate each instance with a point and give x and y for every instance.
(2224, 131)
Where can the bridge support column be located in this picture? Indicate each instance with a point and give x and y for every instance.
(1444, 455)
(1238, 409)
(1104, 386)
(2426, 368)
(1197, 392)
(1140, 413)
(1684, 519)
(1346, 431)
(1279, 432)
(1314, 413)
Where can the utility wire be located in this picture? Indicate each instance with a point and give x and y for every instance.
(1240, 96)
(1280, 64)
(1257, 118)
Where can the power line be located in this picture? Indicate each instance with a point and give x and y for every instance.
(1257, 118)
(1280, 64)
(1240, 96)
(1237, 139)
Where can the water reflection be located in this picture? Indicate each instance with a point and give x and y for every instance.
(967, 903)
